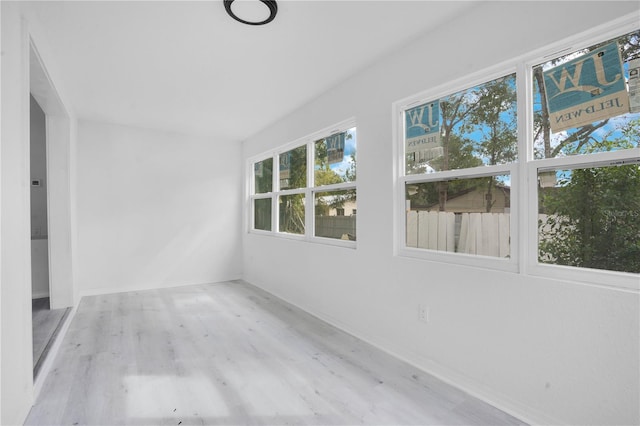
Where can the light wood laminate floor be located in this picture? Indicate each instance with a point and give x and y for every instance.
(232, 354)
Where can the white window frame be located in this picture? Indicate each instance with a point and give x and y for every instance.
(573, 273)
(309, 191)
(524, 171)
(504, 264)
(597, 277)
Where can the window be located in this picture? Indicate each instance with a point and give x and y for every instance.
(475, 219)
(586, 131)
(262, 214)
(459, 151)
(316, 186)
(293, 168)
(590, 217)
(561, 173)
(263, 184)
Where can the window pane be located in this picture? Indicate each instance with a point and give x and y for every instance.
(262, 214)
(590, 217)
(464, 215)
(586, 102)
(335, 214)
(470, 128)
(335, 158)
(293, 168)
(292, 213)
(263, 176)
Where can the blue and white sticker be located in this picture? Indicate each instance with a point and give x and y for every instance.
(586, 89)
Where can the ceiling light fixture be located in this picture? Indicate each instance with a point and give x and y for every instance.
(271, 4)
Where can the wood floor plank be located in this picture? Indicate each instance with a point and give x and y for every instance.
(231, 354)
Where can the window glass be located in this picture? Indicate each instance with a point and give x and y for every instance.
(263, 176)
(331, 220)
(292, 213)
(589, 100)
(470, 128)
(293, 168)
(262, 214)
(335, 158)
(590, 217)
(464, 215)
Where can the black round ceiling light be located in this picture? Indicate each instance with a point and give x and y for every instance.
(271, 4)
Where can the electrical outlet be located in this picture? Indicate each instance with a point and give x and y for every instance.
(423, 313)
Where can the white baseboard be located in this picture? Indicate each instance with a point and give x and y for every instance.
(500, 401)
(142, 287)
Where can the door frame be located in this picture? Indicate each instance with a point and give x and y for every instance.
(59, 191)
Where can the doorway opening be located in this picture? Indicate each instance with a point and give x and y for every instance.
(45, 322)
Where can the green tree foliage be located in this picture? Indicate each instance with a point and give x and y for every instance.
(594, 219)
(478, 126)
(292, 206)
(325, 176)
(292, 213)
(264, 176)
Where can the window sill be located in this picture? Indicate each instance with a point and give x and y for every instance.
(303, 238)
(462, 259)
(586, 276)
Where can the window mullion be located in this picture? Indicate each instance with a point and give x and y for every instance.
(275, 213)
(275, 205)
(460, 173)
(524, 198)
(308, 215)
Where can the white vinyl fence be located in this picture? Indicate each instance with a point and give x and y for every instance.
(336, 226)
(486, 234)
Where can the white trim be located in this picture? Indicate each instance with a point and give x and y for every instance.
(519, 200)
(290, 192)
(462, 259)
(496, 170)
(334, 242)
(262, 196)
(599, 277)
(334, 187)
(595, 277)
(59, 208)
(612, 158)
(401, 178)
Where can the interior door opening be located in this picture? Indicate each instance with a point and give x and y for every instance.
(45, 321)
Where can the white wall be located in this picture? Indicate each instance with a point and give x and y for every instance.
(16, 358)
(549, 351)
(155, 209)
(22, 40)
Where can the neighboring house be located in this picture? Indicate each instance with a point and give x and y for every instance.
(347, 209)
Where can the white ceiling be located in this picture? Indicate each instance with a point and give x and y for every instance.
(186, 66)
